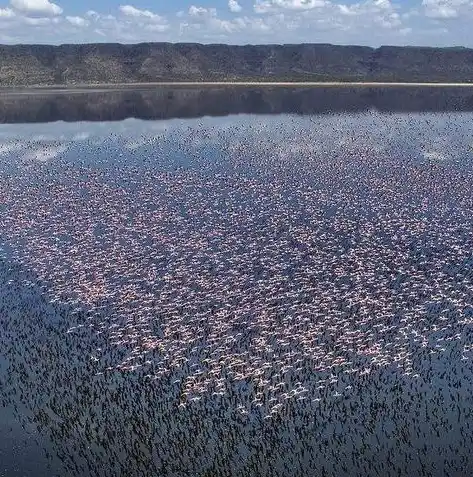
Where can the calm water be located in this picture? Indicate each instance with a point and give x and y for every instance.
(249, 282)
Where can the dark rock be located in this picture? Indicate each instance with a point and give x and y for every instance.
(30, 65)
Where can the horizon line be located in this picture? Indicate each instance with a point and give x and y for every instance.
(25, 89)
(342, 45)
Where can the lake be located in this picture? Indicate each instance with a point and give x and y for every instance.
(237, 282)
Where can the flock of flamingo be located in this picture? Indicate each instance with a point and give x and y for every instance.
(240, 300)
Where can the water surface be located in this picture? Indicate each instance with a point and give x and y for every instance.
(287, 293)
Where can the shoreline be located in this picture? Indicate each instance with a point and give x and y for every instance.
(104, 87)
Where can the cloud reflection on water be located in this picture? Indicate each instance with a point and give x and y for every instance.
(250, 235)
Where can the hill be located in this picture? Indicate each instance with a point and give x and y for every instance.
(28, 65)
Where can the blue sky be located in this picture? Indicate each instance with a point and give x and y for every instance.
(364, 22)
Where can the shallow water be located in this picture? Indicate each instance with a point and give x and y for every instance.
(284, 294)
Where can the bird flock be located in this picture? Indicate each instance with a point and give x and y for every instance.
(280, 297)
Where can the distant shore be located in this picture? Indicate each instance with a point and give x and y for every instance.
(145, 65)
(99, 87)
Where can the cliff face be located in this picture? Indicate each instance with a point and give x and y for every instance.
(146, 62)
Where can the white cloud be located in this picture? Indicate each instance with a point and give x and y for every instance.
(156, 27)
(202, 12)
(206, 22)
(381, 13)
(444, 9)
(364, 22)
(96, 18)
(44, 7)
(266, 6)
(143, 19)
(77, 21)
(131, 11)
(7, 13)
(346, 10)
(41, 21)
(263, 6)
(234, 6)
(299, 4)
(295, 21)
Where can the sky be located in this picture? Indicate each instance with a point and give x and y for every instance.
(366, 22)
